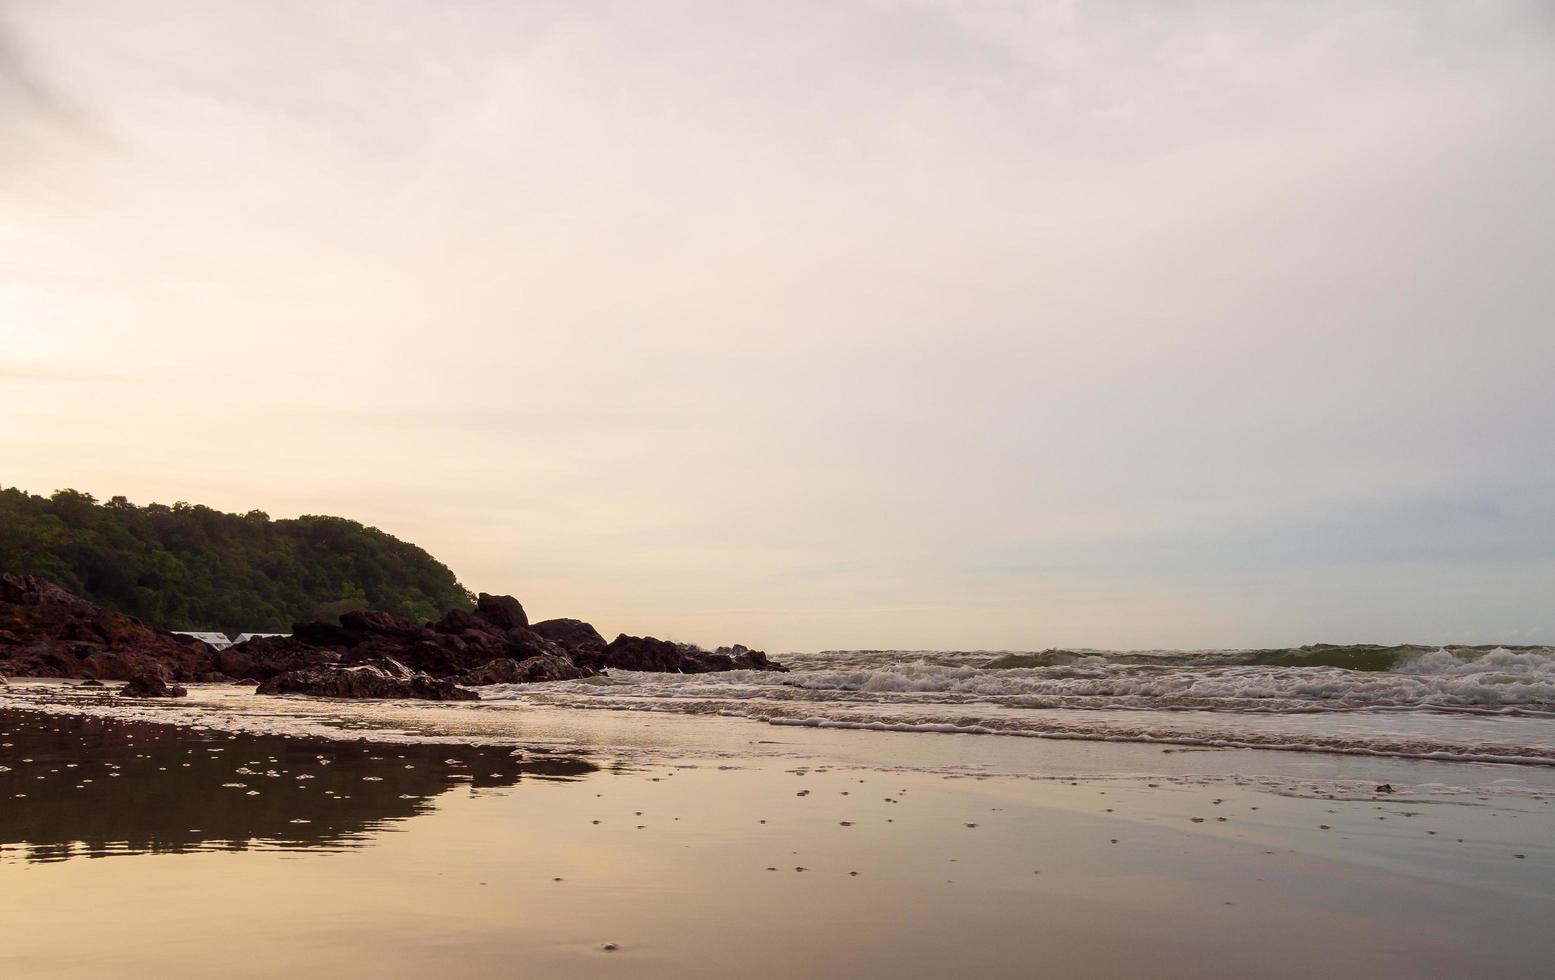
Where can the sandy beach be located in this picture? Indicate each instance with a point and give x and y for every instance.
(859, 489)
(239, 841)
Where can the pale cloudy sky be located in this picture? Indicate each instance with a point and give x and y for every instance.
(995, 325)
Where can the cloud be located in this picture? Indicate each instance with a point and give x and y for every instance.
(853, 307)
(17, 372)
(31, 97)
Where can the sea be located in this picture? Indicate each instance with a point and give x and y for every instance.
(1465, 703)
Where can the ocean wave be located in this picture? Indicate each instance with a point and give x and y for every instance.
(1484, 704)
(1472, 704)
(1355, 656)
(1500, 679)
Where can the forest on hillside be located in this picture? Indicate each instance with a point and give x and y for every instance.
(189, 567)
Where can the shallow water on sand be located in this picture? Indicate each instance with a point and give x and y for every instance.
(707, 846)
(73, 786)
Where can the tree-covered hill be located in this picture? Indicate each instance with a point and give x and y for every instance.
(191, 567)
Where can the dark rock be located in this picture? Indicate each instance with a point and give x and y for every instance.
(644, 653)
(459, 621)
(373, 621)
(267, 656)
(91, 683)
(546, 667)
(503, 671)
(47, 632)
(459, 642)
(523, 644)
(316, 633)
(550, 667)
(744, 658)
(572, 635)
(385, 679)
(647, 653)
(151, 685)
(502, 611)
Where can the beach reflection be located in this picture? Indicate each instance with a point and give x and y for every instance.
(75, 787)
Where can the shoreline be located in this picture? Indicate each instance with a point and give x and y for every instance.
(648, 736)
(234, 708)
(699, 849)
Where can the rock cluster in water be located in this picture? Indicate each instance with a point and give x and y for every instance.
(376, 680)
(150, 685)
(48, 632)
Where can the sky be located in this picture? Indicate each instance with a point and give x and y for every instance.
(816, 325)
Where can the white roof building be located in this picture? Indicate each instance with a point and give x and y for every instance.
(220, 641)
(216, 641)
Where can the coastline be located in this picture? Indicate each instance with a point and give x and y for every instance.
(1018, 855)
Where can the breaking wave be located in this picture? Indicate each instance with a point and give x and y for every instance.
(1488, 704)
(1464, 704)
(1497, 679)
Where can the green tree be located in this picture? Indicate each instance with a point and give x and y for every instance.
(192, 567)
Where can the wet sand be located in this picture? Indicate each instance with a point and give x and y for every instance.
(706, 847)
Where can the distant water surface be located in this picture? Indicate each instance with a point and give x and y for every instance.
(1490, 704)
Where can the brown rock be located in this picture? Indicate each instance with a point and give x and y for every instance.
(385, 679)
(366, 621)
(151, 685)
(572, 635)
(647, 653)
(546, 667)
(47, 632)
(744, 658)
(459, 621)
(502, 611)
(267, 656)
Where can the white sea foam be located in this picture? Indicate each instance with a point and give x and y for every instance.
(1495, 706)
(1485, 705)
(1498, 680)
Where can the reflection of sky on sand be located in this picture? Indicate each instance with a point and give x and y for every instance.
(758, 867)
(75, 786)
(638, 737)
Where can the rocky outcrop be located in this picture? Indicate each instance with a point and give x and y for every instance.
(48, 632)
(385, 679)
(151, 685)
(744, 658)
(644, 653)
(502, 611)
(546, 667)
(648, 653)
(572, 635)
(262, 659)
(460, 642)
